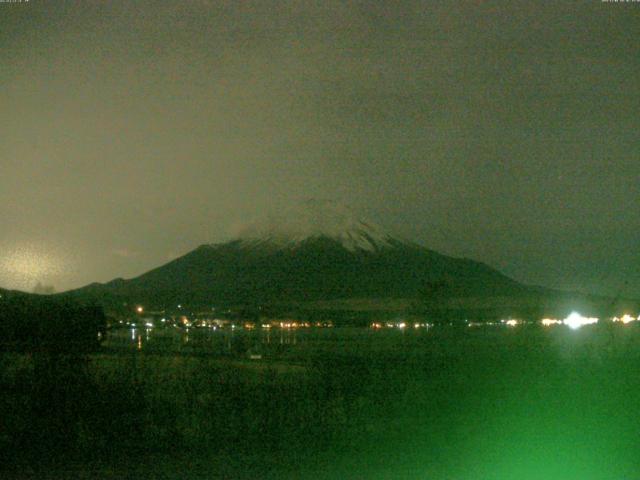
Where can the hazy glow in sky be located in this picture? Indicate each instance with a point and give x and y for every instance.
(26, 265)
(506, 132)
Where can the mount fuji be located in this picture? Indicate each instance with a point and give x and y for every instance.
(320, 251)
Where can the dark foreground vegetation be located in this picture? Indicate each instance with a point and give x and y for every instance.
(522, 403)
(42, 323)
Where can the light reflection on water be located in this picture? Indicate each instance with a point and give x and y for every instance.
(201, 339)
(592, 341)
(241, 342)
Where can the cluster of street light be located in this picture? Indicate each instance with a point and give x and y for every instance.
(400, 324)
(574, 321)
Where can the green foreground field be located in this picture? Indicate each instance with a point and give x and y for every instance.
(451, 403)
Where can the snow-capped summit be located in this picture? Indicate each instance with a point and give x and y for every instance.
(316, 219)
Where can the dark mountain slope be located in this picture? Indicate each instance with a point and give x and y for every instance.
(318, 268)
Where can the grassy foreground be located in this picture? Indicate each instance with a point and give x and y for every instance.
(522, 403)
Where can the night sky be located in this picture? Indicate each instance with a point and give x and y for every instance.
(134, 131)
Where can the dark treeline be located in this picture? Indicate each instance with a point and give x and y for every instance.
(45, 343)
(49, 324)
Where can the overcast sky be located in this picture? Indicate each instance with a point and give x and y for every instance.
(133, 131)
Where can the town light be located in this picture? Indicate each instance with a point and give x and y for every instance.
(626, 318)
(547, 322)
(575, 320)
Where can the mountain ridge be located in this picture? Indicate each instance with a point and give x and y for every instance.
(315, 268)
(322, 254)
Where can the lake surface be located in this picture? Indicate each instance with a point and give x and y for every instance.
(292, 343)
(527, 402)
(259, 341)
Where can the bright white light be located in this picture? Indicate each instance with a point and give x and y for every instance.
(402, 325)
(512, 322)
(149, 324)
(139, 309)
(575, 320)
